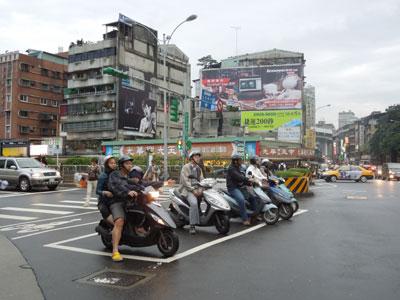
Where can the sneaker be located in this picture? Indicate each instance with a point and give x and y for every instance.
(192, 229)
(86, 204)
(116, 256)
(247, 223)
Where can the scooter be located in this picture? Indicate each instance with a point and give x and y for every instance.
(213, 208)
(149, 214)
(281, 199)
(285, 189)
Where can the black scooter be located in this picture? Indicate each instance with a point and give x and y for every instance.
(149, 215)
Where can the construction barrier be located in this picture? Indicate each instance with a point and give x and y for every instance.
(298, 185)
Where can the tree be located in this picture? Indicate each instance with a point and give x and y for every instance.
(385, 143)
(207, 62)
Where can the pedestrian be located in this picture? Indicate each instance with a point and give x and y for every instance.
(93, 176)
(152, 173)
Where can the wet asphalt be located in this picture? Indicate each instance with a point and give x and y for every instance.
(345, 245)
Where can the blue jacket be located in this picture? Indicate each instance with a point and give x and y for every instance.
(102, 185)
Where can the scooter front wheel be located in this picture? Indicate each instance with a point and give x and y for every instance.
(271, 216)
(168, 242)
(222, 223)
(286, 211)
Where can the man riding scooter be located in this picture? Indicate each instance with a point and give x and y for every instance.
(235, 182)
(122, 190)
(191, 174)
(253, 171)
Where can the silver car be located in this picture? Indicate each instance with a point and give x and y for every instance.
(25, 172)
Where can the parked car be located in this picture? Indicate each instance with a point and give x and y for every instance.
(25, 172)
(391, 171)
(348, 172)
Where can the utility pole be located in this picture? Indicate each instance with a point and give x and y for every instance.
(236, 28)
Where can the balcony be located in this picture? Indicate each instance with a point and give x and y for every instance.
(45, 117)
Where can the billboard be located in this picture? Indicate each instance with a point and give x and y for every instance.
(253, 88)
(137, 108)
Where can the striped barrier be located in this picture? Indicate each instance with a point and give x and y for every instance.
(298, 185)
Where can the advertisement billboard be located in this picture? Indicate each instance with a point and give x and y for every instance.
(137, 108)
(253, 88)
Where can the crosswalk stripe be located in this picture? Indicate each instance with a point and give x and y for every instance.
(44, 211)
(20, 218)
(64, 206)
(78, 202)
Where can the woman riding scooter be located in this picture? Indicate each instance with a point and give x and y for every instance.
(102, 190)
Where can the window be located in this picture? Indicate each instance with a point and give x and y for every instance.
(24, 67)
(10, 163)
(25, 82)
(8, 83)
(43, 101)
(44, 131)
(54, 103)
(45, 86)
(54, 117)
(44, 72)
(23, 113)
(2, 163)
(8, 98)
(56, 89)
(23, 98)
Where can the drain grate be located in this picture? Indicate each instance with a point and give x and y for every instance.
(116, 279)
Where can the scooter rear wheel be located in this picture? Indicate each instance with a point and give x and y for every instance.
(271, 216)
(222, 223)
(168, 242)
(285, 211)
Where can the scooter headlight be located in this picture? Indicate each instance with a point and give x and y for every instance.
(158, 219)
(154, 195)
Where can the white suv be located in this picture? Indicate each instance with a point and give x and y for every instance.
(25, 172)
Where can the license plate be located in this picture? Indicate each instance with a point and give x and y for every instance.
(52, 181)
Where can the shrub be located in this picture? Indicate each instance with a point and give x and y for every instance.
(288, 173)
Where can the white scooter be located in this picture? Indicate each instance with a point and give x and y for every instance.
(213, 208)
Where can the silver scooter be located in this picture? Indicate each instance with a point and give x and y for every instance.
(213, 208)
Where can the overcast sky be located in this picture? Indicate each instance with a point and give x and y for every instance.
(351, 47)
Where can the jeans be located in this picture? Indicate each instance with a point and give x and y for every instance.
(194, 218)
(241, 201)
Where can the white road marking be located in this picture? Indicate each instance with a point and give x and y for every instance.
(35, 194)
(20, 218)
(43, 211)
(59, 245)
(65, 206)
(357, 197)
(48, 219)
(77, 202)
(56, 229)
(34, 227)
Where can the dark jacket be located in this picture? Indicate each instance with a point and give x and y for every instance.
(235, 178)
(102, 185)
(120, 187)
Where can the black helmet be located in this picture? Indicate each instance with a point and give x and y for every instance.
(123, 159)
(236, 156)
(254, 160)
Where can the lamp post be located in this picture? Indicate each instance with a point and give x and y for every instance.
(318, 108)
(166, 40)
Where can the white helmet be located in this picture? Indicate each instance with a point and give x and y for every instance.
(193, 153)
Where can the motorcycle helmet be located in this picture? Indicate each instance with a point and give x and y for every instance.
(123, 159)
(193, 153)
(254, 160)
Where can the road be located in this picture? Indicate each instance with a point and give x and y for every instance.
(343, 244)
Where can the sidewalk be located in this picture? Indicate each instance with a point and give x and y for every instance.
(17, 279)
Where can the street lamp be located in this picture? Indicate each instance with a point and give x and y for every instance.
(166, 40)
(318, 108)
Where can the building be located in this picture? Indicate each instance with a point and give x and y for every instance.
(237, 91)
(31, 91)
(324, 139)
(102, 107)
(309, 106)
(346, 117)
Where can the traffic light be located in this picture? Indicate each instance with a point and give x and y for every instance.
(174, 110)
(115, 72)
(179, 145)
